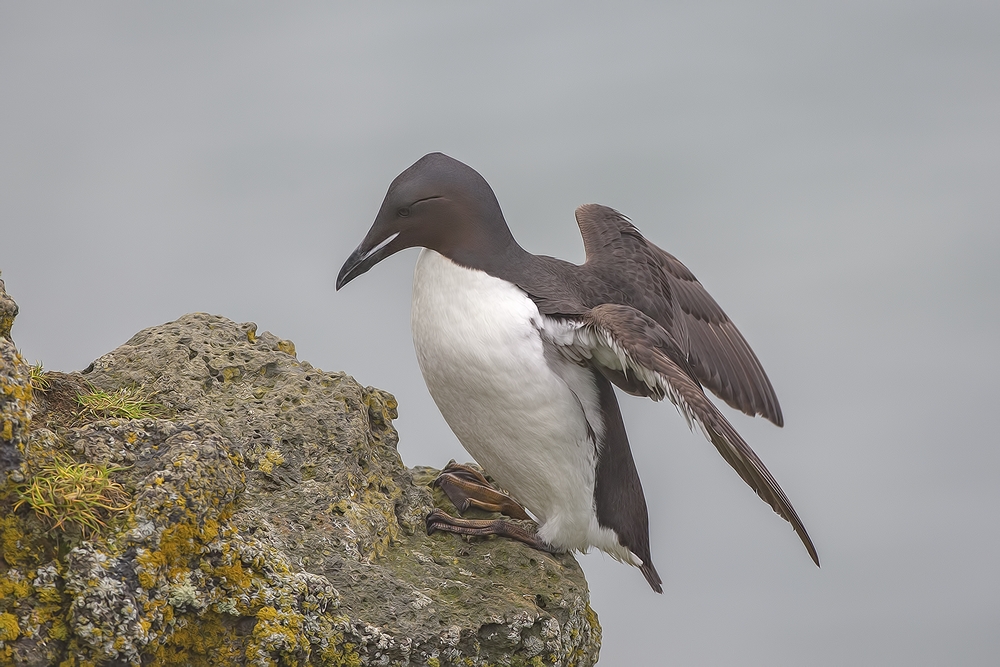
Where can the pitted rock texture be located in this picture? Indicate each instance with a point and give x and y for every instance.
(15, 394)
(271, 522)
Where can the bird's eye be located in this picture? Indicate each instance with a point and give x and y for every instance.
(403, 212)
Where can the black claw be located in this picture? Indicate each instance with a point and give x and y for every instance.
(430, 521)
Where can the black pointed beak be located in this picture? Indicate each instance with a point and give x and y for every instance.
(365, 256)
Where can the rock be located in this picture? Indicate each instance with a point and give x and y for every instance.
(15, 395)
(8, 311)
(259, 514)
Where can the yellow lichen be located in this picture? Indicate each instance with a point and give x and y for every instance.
(12, 590)
(207, 642)
(11, 540)
(344, 654)
(149, 564)
(233, 576)
(20, 391)
(9, 630)
(49, 595)
(271, 458)
(59, 630)
(6, 322)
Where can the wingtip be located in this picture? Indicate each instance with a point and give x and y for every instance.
(800, 530)
(652, 577)
(812, 553)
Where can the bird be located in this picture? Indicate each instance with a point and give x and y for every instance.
(521, 354)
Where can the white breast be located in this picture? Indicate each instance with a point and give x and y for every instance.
(520, 412)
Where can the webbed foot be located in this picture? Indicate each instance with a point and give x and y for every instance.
(440, 520)
(467, 487)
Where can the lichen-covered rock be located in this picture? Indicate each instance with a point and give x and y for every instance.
(15, 396)
(15, 410)
(8, 311)
(270, 521)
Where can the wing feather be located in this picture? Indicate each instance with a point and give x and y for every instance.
(629, 343)
(658, 284)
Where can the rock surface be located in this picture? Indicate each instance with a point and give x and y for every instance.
(8, 311)
(269, 521)
(15, 395)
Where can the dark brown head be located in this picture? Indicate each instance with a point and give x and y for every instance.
(438, 203)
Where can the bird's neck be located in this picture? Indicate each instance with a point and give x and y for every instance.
(494, 251)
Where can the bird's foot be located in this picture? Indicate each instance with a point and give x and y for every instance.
(467, 487)
(439, 520)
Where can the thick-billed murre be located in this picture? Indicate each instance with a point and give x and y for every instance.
(520, 353)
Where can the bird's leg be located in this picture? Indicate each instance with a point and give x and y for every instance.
(466, 487)
(439, 520)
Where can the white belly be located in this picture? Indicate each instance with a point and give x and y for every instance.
(479, 349)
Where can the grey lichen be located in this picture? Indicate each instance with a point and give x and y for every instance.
(270, 522)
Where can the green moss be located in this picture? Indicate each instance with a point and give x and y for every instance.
(39, 380)
(125, 403)
(63, 491)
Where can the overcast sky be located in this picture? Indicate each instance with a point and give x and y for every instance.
(831, 175)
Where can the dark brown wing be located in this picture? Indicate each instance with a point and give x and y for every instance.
(630, 344)
(656, 283)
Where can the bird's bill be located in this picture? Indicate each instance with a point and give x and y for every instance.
(371, 251)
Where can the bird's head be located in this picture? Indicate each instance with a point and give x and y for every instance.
(437, 203)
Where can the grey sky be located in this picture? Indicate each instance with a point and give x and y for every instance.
(830, 174)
